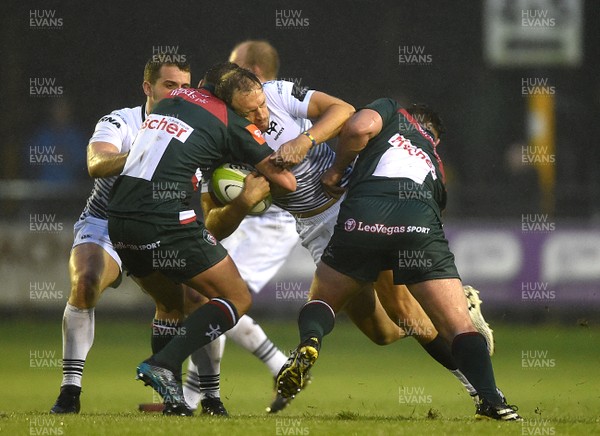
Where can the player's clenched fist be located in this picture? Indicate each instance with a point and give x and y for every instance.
(330, 180)
(256, 188)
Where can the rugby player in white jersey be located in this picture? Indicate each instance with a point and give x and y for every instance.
(282, 112)
(93, 264)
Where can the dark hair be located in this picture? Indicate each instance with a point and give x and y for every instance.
(152, 69)
(424, 114)
(214, 73)
(237, 79)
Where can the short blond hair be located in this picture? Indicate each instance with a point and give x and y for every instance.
(262, 54)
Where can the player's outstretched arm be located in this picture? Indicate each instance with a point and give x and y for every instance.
(353, 138)
(104, 159)
(329, 115)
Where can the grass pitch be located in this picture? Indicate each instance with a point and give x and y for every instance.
(550, 372)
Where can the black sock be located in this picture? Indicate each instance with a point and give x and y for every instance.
(316, 320)
(162, 333)
(471, 355)
(440, 351)
(201, 327)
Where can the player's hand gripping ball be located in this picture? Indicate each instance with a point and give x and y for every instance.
(228, 182)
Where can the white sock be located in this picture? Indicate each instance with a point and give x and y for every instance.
(204, 373)
(461, 378)
(249, 335)
(78, 337)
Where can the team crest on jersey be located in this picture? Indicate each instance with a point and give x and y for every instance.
(272, 128)
(256, 134)
(208, 237)
(350, 225)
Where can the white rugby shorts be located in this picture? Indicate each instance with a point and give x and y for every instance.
(95, 231)
(316, 231)
(261, 244)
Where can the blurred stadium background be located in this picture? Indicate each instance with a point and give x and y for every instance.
(517, 83)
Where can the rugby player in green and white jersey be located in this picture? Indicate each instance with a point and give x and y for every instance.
(282, 113)
(189, 130)
(379, 228)
(259, 247)
(93, 264)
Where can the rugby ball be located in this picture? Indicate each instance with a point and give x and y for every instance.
(228, 182)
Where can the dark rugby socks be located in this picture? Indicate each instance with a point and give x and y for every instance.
(471, 355)
(440, 351)
(316, 320)
(162, 333)
(201, 327)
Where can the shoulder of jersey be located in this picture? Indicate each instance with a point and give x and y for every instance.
(128, 111)
(275, 92)
(125, 115)
(197, 95)
(274, 86)
(204, 98)
(286, 87)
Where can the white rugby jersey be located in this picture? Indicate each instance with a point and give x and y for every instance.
(118, 128)
(288, 108)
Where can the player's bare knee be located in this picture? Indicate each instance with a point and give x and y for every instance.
(193, 300)
(242, 302)
(164, 304)
(85, 290)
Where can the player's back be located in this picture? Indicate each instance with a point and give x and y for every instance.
(399, 162)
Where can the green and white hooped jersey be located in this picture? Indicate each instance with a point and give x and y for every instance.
(187, 133)
(401, 161)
